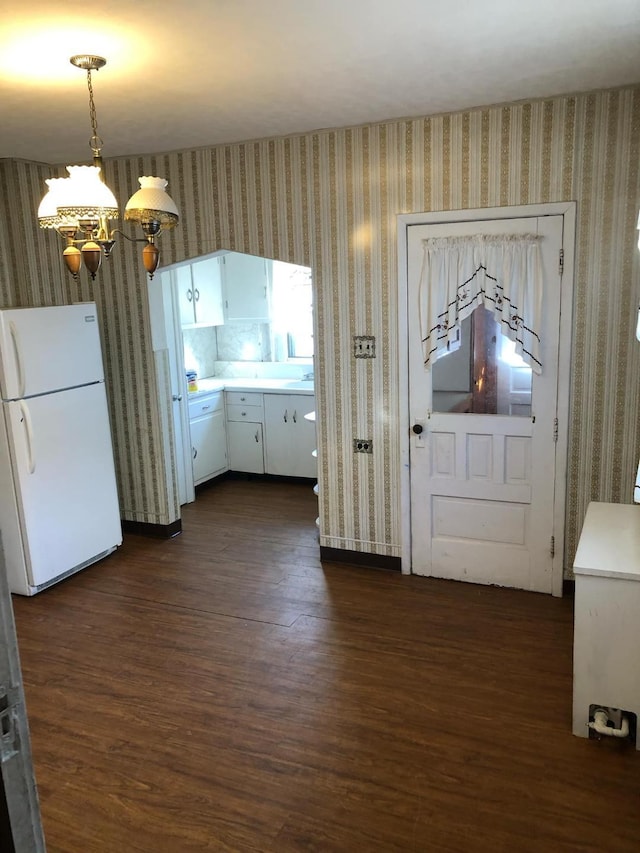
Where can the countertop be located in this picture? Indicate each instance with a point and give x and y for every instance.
(609, 545)
(209, 385)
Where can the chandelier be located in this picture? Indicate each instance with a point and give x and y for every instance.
(80, 206)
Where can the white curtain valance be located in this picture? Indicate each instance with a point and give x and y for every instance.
(502, 272)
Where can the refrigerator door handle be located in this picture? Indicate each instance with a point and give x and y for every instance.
(26, 420)
(16, 350)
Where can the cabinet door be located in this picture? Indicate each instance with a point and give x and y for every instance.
(245, 447)
(290, 439)
(184, 291)
(209, 446)
(246, 288)
(207, 292)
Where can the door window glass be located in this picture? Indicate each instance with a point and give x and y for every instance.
(483, 374)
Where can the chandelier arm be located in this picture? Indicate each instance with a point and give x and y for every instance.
(127, 237)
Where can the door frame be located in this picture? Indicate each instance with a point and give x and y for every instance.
(166, 337)
(20, 821)
(404, 221)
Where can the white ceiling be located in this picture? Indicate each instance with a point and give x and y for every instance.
(210, 71)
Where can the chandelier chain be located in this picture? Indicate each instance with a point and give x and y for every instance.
(95, 142)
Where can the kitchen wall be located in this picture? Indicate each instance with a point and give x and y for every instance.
(329, 200)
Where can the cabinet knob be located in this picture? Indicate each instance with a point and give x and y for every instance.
(295, 418)
(285, 416)
(190, 295)
(242, 399)
(257, 439)
(204, 408)
(177, 398)
(244, 414)
(196, 294)
(195, 452)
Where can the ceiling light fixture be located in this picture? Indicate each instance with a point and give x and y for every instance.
(82, 204)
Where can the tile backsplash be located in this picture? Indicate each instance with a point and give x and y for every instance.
(200, 350)
(227, 351)
(263, 369)
(244, 342)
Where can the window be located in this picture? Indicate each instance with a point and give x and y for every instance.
(292, 312)
(483, 374)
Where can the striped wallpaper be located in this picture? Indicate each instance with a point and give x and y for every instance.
(329, 200)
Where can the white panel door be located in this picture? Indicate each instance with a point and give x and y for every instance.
(44, 349)
(165, 297)
(482, 485)
(65, 479)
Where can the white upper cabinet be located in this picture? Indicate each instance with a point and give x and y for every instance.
(246, 284)
(199, 290)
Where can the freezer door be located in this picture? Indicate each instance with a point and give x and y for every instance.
(64, 478)
(46, 349)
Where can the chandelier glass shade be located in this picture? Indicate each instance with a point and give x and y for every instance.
(80, 206)
(81, 196)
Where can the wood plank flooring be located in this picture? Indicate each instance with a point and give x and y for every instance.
(224, 691)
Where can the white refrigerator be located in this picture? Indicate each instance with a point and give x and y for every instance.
(58, 496)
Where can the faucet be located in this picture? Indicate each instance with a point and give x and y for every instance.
(308, 375)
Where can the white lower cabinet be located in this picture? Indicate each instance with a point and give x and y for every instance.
(244, 431)
(244, 440)
(208, 437)
(290, 439)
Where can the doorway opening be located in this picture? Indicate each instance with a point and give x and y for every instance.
(229, 320)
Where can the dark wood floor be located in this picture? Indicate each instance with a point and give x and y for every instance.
(225, 691)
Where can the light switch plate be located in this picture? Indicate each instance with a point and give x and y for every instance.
(364, 346)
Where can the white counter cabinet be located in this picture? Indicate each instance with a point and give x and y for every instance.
(267, 433)
(290, 439)
(607, 614)
(245, 431)
(208, 437)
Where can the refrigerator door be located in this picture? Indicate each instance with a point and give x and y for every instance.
(64, 480)
(46, 349)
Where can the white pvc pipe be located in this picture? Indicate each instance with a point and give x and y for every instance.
(599, 724)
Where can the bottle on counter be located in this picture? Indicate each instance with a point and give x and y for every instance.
(192, 380)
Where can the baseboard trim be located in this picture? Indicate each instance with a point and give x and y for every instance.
(157, 531)
(270, 478)
(360, 558)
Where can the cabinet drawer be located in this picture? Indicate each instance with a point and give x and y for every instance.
(242, 412)
(244, 398)
(206, 405)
